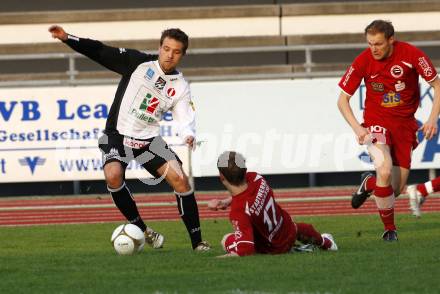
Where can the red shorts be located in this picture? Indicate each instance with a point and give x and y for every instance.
(261, 246)
(401, 137)
(282, 243)
(228, 243)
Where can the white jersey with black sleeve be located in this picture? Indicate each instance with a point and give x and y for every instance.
(150, 93)
(144, 92)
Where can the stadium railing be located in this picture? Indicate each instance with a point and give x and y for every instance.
(308, 69)
(210, 58)
(306, 45)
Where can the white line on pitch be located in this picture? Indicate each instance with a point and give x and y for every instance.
(156, 204)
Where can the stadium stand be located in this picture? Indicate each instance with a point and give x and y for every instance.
(292, 46)
(50, 5)
(258, 40)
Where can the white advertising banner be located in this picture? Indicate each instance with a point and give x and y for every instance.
(288, 126)
(280, 126)
(51, 134)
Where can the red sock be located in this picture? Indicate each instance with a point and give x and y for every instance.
(422, 189)
(434, 186)
(307, 234)
(386, 214)
(370, 185)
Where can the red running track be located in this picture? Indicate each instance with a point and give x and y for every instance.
(100, 209)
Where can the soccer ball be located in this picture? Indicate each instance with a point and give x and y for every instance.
(128, 239)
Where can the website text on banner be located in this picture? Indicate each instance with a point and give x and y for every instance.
(51, 134)
(282, 126)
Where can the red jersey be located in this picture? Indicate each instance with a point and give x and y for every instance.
(260, 224)
(392, 84)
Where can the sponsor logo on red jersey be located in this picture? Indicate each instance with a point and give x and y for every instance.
(391, 99)
(396, 71)
(347, 75)
(400, 86)
(237, 232)
(378, 87)
(427, 70)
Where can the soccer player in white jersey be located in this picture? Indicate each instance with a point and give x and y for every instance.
(150, 85)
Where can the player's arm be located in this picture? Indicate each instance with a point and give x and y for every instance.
(184, 115)
(349, 83)
(430, 127)
(119, 60)
(426, 69)
(347, 113)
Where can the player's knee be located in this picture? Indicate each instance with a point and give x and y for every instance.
(384, 174)
(227, 242)
(114, 178)
(180, 183)
(114, 181)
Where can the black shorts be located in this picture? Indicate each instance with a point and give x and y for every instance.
(151, 154)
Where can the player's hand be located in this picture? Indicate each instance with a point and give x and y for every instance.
(214, 204)
(58, 32)
(191, 142)
(430, 128)
(363, 135)
(232, 254)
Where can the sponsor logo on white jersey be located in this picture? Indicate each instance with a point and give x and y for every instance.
(170, 92)
(160, 83)
(149, 74)
(147, 110)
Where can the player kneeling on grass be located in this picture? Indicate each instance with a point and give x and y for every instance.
(260, 224)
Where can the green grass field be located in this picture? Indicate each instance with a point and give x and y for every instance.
(80, 259)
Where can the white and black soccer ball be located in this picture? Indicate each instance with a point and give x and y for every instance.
(128, 239)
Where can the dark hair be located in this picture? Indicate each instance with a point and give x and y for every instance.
(380, 26)
(177, 35)
(232, 166)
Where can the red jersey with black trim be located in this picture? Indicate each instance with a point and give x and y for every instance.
(260, 224)
(392, 84)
